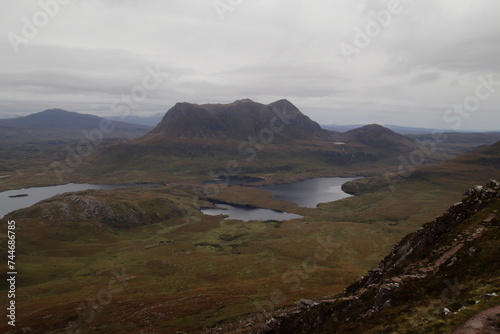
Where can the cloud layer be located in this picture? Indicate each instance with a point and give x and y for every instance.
(407, 68)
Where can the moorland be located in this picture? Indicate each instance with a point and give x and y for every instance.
(148, 260)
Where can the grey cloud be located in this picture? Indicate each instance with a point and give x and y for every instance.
(427, 77)
(94, 51)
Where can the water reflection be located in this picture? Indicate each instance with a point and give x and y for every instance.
(248, 213)
(311, 192)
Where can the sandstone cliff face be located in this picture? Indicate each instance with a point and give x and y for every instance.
(432, 281)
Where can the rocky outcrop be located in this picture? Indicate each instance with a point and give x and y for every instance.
(101, 208)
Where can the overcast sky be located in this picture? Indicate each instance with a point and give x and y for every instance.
(410, 68)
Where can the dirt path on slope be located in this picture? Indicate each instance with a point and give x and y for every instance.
(484, 322)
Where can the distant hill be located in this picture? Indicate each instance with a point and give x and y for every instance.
(450, 143)
(54, 119)
(459, 142)
(378, 136)
(63, 119)
(488, 156)
(55, 124)
(406, 130)
(461, 169)
(396, 128)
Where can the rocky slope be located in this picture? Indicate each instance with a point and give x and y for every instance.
(434, 280)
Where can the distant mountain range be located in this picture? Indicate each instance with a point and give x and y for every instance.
(192, 138)
(62, 119)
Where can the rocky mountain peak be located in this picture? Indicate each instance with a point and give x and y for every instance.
(238, 120)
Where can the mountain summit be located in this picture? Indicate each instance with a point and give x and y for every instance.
(238, 120)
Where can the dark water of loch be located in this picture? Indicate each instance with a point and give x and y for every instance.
(247, 213)
(307, 193)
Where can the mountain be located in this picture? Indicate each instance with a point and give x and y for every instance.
(54, 119)
(63, 119)
(441, 279)
(55, 124)
(238, 120)
(196, 139)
